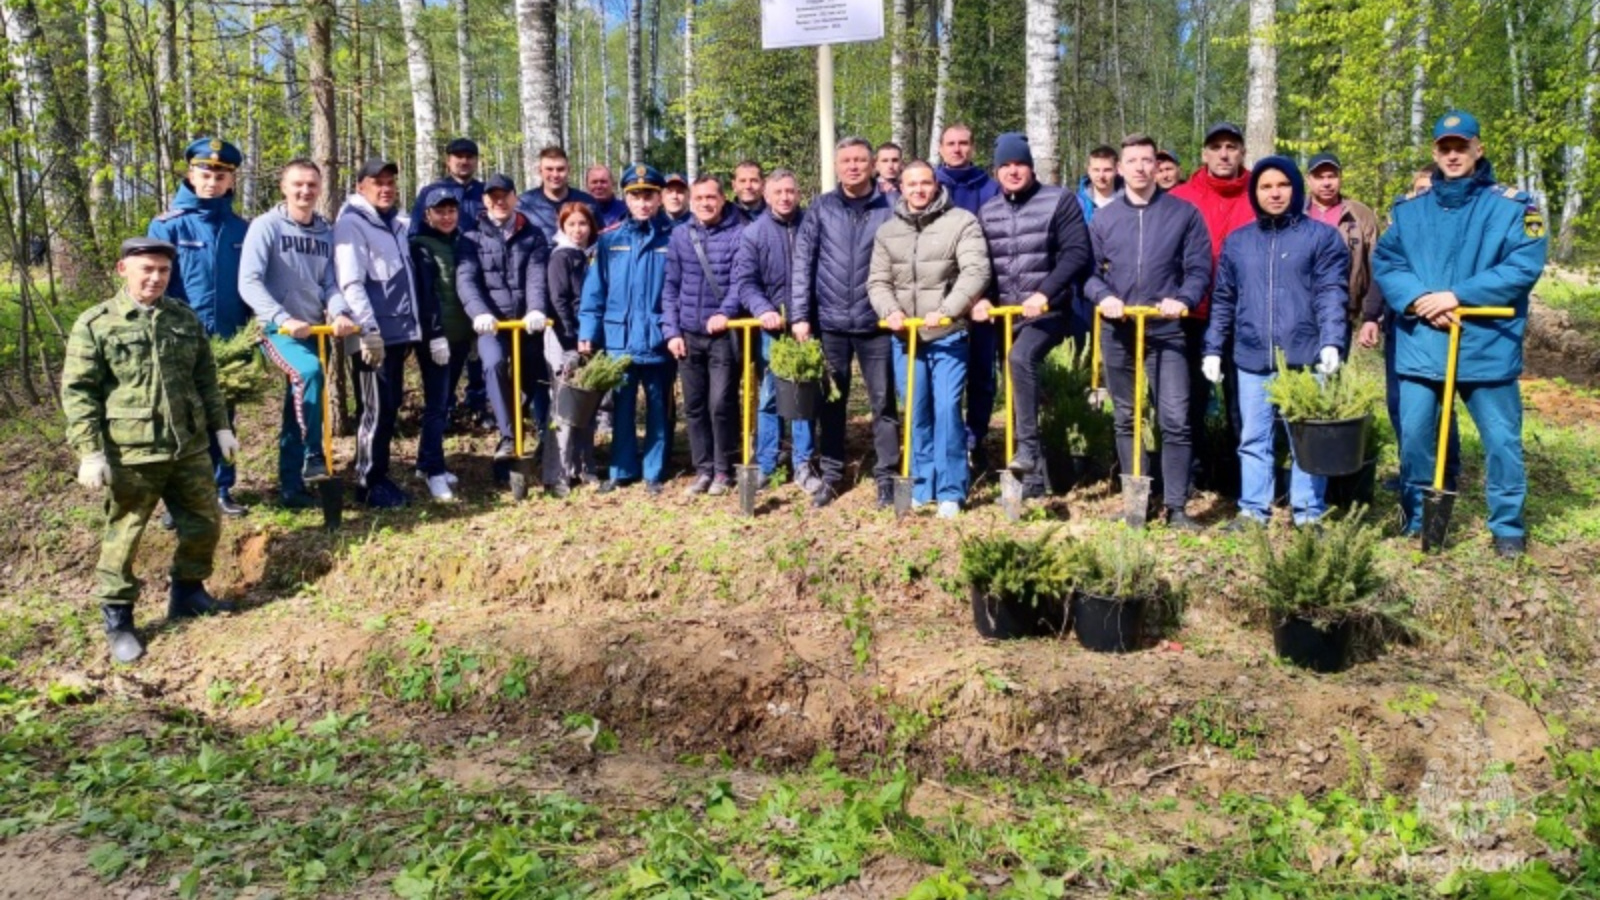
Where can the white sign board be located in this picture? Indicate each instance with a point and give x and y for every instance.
(810, 23)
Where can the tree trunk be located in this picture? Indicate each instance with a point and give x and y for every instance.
(291, 92)
(941, 84)
(1043, 110)
(424, 105)
(191, 125)
(564, 67)
(1419, 80)
(250, 178)
(691, 140)
(605, 87)
(653, 119)
(324, 121)
(1261, 103)
(166, 74)
(1578, 149)
(464, 56)
(536, 46)
(897, 72)
(635, 85)
(94, 33)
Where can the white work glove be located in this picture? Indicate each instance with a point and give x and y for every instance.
(484, 324)
(94, 472)
(439, 349)
(1211, 368)
(372, 349)
(1330, 361)
(533, 322)
(227, 444)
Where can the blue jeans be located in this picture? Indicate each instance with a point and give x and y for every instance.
(1496, 408)
(301, 428)
(769, 427)
(938, 432)
(656, 379)
(1391, 399)
(1256, 463)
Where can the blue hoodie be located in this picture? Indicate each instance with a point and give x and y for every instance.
(970, 187)
(1283, 283)
(1086, 196)
(210, 239)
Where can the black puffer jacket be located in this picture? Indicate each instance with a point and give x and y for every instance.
(569, 263)
(1038, 244)
(832, 256)
(502, 278)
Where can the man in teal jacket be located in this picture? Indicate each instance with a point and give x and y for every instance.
(621, 313)
(209, 236)
(1465, 242)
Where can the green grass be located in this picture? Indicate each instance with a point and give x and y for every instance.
(1581, 302)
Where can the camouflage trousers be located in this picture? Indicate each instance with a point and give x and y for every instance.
(190, 491)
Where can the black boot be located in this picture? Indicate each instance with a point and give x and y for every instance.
(125, 644)
(187, 599)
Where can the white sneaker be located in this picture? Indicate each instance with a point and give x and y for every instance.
(449, 477)
(949, 509)
(439, 487)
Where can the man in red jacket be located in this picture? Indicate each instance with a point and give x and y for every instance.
(1219, 189)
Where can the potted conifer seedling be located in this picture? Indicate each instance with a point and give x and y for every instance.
(1328, 415)
(1318, 586)
(1117, 581)
(1019, 588)
(800, 377)
(578, 400)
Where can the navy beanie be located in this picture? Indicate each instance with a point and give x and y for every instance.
(1012, 147)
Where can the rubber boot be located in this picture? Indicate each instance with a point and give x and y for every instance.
(125, 644)
(187, 599)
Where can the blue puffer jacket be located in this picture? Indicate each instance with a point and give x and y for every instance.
(621, 308)
(764, 262)
(687, 298)
(832, 254)
(1282, 284)
(970, 187)
(210, 240)
(1482, 241)
(500, 277)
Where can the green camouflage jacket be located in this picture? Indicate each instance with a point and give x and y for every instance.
(140, 386)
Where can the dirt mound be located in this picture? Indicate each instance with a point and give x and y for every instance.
(1555, 348)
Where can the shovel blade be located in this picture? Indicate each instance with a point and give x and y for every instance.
(902, 497)
(332, 492)
(1436, 509)
(749, 483)
(1010, 495)
(521, 475)
(1136, 499)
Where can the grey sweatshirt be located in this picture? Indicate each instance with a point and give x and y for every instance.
(287, 270)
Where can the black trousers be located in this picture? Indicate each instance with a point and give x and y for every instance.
(1030, 344)
(710, 378)
(1167, 368)
(874, 353)
(1221, 446)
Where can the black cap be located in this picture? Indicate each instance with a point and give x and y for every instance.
(675, 178)
(499, 182)
(440, 194)
(374, 167)
(1323, 159)
(461, 147)
(1169, 156)
(143, 246)
(1222, 128)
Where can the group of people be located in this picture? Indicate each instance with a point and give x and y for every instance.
(1233, 267)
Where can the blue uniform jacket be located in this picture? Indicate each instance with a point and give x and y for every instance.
(687, 299)
(621, 307)
(1480, 240)
(1283, 283)
(210, 241)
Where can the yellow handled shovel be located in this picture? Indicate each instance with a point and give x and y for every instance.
(902, 484)
(330, 490)
(747, 476)
(1136, 487)
(1010, 485)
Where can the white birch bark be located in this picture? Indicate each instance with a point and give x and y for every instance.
(941, 85)
(464, 77)
(540, 94)
(424, 105)
(899, 16)
(635, 82)
(1578, 149)
(1041, 101)
(1261, 103)
(691, 139)
(94, 34)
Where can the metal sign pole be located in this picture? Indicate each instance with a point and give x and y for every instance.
(825, 135)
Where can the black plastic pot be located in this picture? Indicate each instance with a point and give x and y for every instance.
(1334, 447)
(1301, 642)
(576, 406)
(1348, 490)
(1064, 472)
(1108, 624)
(798, 400)
(1003, 619)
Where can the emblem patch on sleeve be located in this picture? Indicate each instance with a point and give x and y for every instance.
(1532, 222)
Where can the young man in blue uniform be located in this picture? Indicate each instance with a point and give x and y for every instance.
(1467, 241)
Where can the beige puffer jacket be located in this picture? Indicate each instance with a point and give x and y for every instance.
(928, 264)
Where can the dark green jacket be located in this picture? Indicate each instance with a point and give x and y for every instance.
(433, 258)
(140, 386)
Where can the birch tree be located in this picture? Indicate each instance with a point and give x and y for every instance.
(464, 77)
(1577, 155)
(424, 105)
(94, 38)
(536, 47)
(324, 118)
(635, 85)
(166, 73)
(1261, 104)
(941, 88)
(900, 12)
(1043, 108)
(691, 140)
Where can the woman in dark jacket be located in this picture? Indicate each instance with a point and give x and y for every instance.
(1283, 283)
(443, 319)
(572, 457)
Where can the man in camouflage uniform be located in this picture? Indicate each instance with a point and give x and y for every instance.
(140, 393)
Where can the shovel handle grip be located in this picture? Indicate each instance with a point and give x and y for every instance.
(917, 323)
(515, 325)
(744, 323)
(1145, 312)
(1485, 312)
(315, 330)
(1003, 311)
